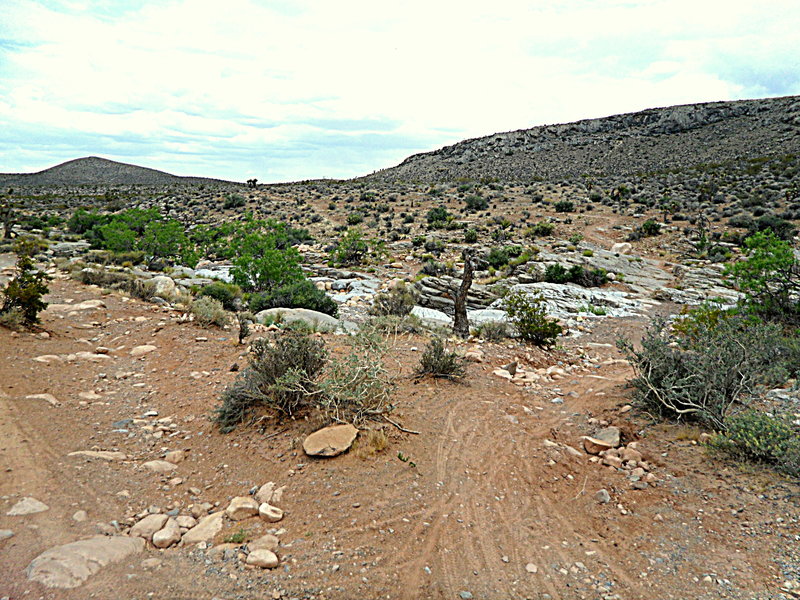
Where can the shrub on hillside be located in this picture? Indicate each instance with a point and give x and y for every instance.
(760, 437)
(398, 301)
(227, 293)
(438, 361)
(209, 311)
(528, 315)
(22, 297)
(296, 294)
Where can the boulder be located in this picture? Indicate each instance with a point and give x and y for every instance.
(169, 535)
(159, 466)
(264, 493)
(271, 514)
(622, 248)
(142, 350)
(163, 287)
(263, 558)
(318, 320)
(265, 542)
(148, 526)
(330, 441)
(595, 446)
(69, 565)
(431, 316)
(27, 506)
(609, 435)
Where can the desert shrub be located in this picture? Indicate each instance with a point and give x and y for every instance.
(226, 293)
(497, 257)
(470, 236)
(710, 375)
(357, 385)
(355, 249)
(438, 361)
(438, 214)
(398, 301)
(234, 201)
(493, 331)
(434, 268)
(760, 437)
(578, 274)
(392, 324)
(263, 257)
(280, 376)
(209, 311)
(476, 203)
(296, 294)
(781, 228)
(103, 278)
(22, 297)
(556, 274)
(650, 228)
(564, 206)
(354, 218)
(541, 229)
(527, 313)
(13, 319)
(370, 443)
(576, 238)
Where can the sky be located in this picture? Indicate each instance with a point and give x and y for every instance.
(287, 90)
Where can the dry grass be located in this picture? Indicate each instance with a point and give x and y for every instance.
(370, 443)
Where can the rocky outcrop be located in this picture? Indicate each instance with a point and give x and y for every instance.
(438, 293)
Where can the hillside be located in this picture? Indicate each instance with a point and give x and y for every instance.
(651, 140)
(93, 170)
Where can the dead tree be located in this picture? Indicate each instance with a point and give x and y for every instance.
(460, 321)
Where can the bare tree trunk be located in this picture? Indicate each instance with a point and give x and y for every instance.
(460, 321)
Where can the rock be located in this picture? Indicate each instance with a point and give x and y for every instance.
(242, 507)
(265, 542)
(27, 506)
(531, 568)
(159, 466)
(432, 317)
(264, 493)
(622, 248)
(175, 456)
(163, 287)
(149, 564)
(85, 305)
(330, 441)
(167, 536)
(602, 496)
(148, 526)
(101, 454)
(612, 461)
(69, 565)
(263, 558)
(49, 398)
(186, 521)
(486, 315)
(318, 320)
(80, 516)
(269, 513)
(5, 534)
(205, 530)
(511, 368)
(595, 446)
(631, 454)
(142, 350)
(609, 435)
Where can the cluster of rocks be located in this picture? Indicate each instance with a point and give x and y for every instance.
(606, 449)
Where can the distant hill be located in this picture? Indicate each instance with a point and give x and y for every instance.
(93, 170)
(651, 140)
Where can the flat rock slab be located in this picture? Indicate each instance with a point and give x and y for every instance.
(142, 350)
(330, 441)
(205, 530)
(159, 466)
(49, 398)
(68, 566)
(27, 506)
(101, 454)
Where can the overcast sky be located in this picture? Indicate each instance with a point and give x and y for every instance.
(287, 90)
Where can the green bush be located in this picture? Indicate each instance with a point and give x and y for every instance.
(226, 293)
(354, 218)
(575, 274)
(438, 214)
(498, 257)
(438, 361)
(475, 203)
(541, 229)
(564, 206)
(209, 311)
(556, 274)
(651, 228)
(470, 236)
(528, 315)
(398, 301)
(355, 249)
(22, 297)
(493, 331)
(757, 436)
(710, 375)
(296, 294)
(279, 375)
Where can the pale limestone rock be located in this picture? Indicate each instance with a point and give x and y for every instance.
(186, 521)
(49, 398)
(242, 507)
(148, 526)
(175, 456)
(263, 558)
(101, 454)
(142, 350)
(27, 506)
(167, 536)
(265, 542)
(159, 466)
(205, 530)
(595, 446)
(69, 565)
(264, 493)
(269, 513)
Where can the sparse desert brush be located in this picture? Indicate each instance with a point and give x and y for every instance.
(209, 311)
(370, 443)
(437, 360)
(528, 315)
(493, 331)
(22, 297)
(398, 301)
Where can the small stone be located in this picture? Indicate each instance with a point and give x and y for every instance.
(465, 595)
(242, 507)
(5, 534)
(265, 542)
(264, 493)
(631, 454)
(609, 435)
(149, 564)
(142, 350)
(531, 568)
(602, 496)
(148, 526)
(80, 516)
(186, 521)
(594, 445)
(205, 530)
(175, 456)
(169, 535)
(27, 506)
(269, 513)
(159, 466)
(263, 558)
(49, 398)
(101, 454)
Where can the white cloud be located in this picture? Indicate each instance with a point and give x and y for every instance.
(284, 90)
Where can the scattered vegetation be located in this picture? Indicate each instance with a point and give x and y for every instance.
(527, 313)
(438, 361)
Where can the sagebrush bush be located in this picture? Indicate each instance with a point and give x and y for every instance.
(22, 297)
(756, 436)
(398, 301)
(438, 361)
(709, 376)
(227, 293)
(493, 331)
(528, 315)
(209, 311)
(298, 294)
(280, 375)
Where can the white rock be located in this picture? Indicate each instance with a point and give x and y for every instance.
(80, 516)
(68, 566)
(159, 466)
(265, 542)
(49, 398)
(242, 507)
(270, 513)
(142, 350)
(148, 526)
(330, 441)
(263, 558)
(27, 506)
(5, 534)
(167, 536)
(205, 530)
(101, 454)
(264, 493)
